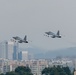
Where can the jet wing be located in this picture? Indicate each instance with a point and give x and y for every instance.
(17, 38)
(51, 33)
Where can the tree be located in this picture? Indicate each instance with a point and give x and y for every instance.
(22, 70)
(12, 73)
(57, 70)
(1, 74)
(67, 70)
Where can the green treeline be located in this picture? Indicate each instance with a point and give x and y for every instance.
(57, 70)
(20, 70)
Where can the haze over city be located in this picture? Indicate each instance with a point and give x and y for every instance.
(34, 17)
(37, 37)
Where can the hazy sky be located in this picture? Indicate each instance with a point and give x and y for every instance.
(34, 17)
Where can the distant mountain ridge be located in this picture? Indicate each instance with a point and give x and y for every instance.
(62, 52)
(39, 53)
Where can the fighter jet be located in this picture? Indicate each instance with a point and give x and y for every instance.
(20, 40)
(23, 40)
(53, 35)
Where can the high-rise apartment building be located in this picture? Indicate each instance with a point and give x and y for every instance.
(12, 50)
(9, 50)
(3, 49)
(23, 55)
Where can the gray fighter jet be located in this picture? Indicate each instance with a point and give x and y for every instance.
(20, 40)
(53, 35)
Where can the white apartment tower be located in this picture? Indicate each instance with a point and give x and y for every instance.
(3, 49)
(9, 50)
(12, 50)
(23, 55)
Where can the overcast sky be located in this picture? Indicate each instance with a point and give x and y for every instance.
(34, 17)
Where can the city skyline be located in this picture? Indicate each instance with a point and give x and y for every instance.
(34, 18)
(10, 50)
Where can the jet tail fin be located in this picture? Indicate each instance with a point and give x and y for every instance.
(25, 37)
(58, 33)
